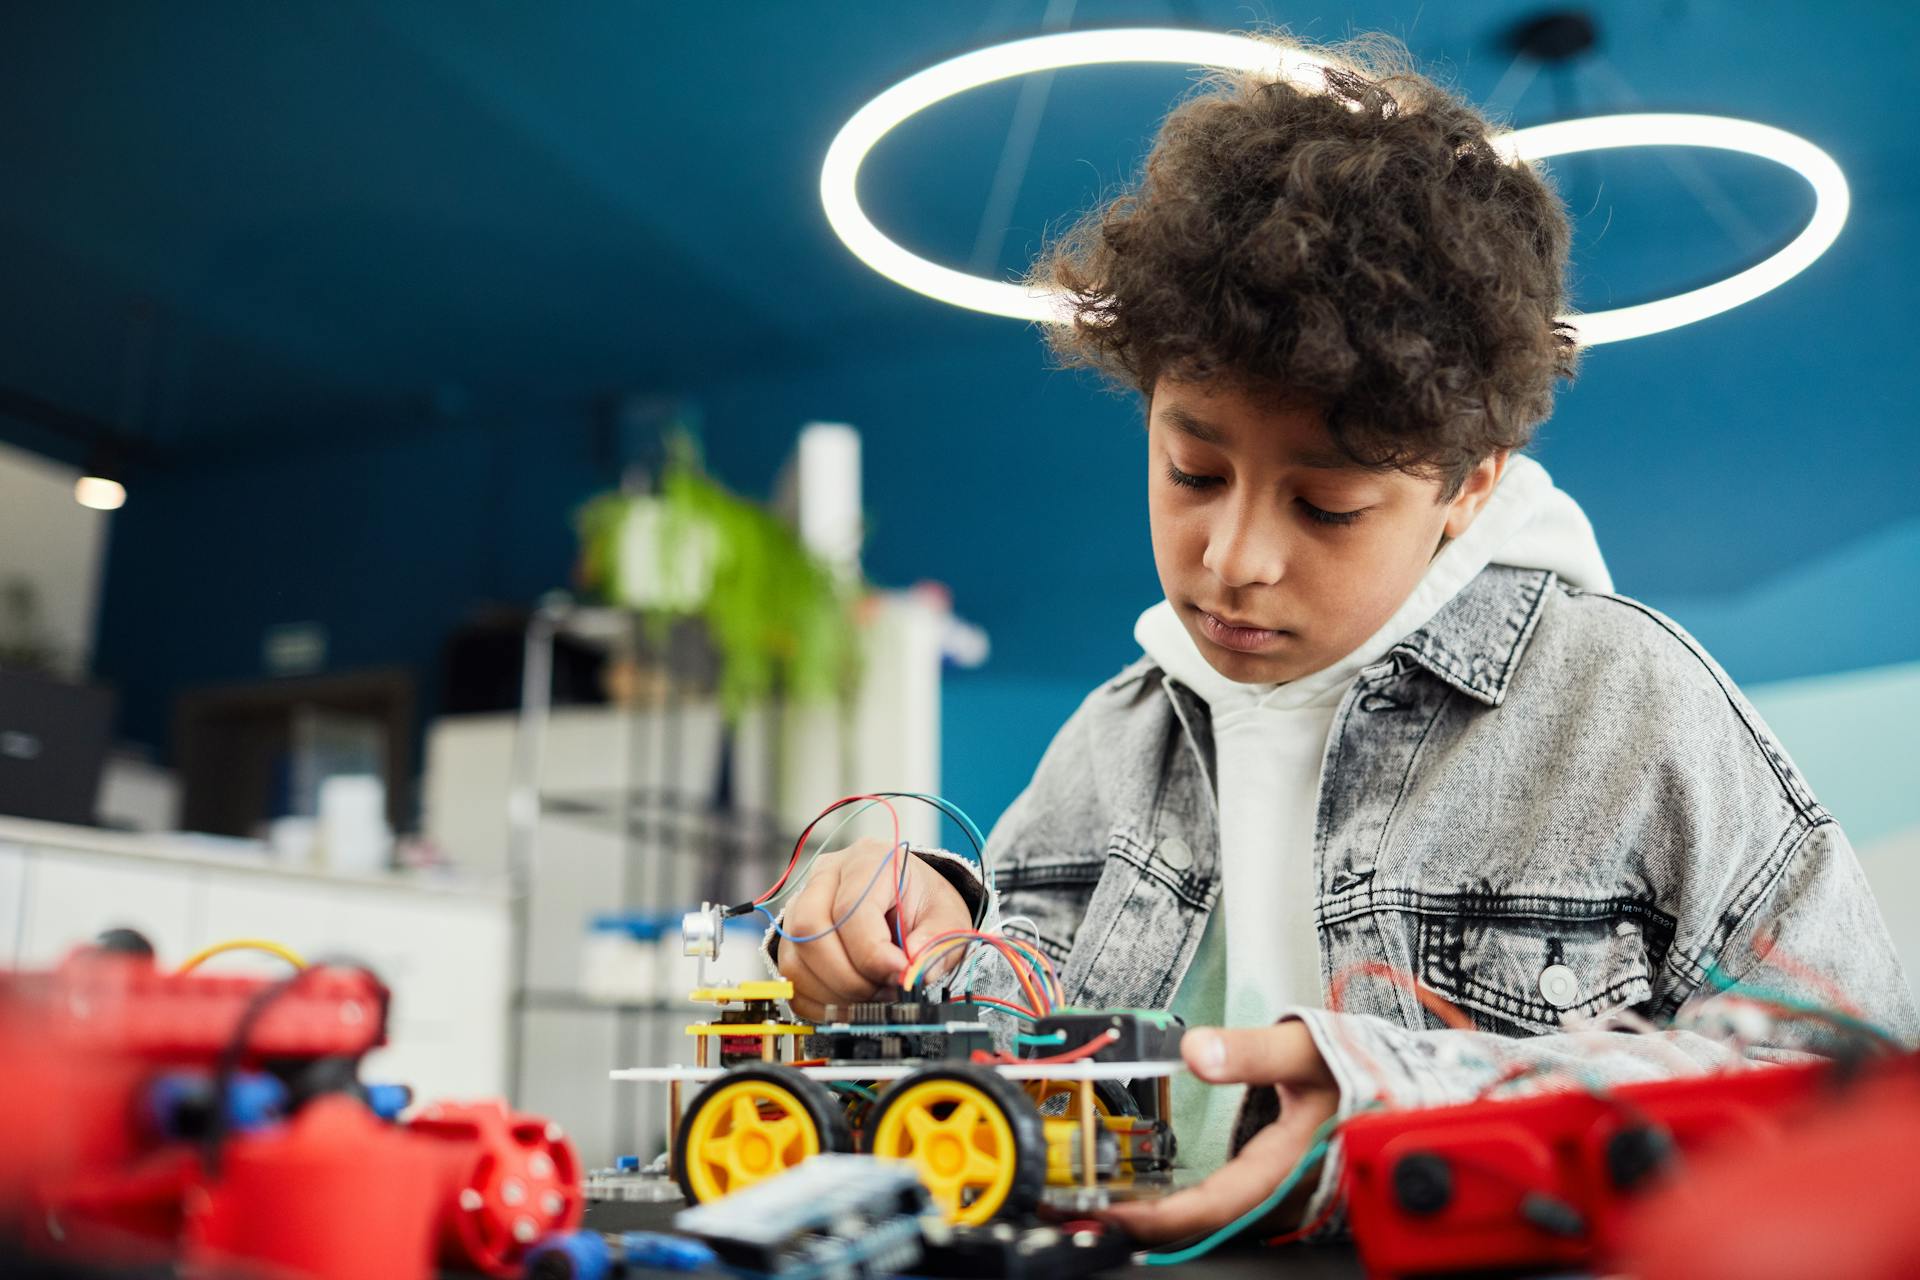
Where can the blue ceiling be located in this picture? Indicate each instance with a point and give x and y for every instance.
(236, 225)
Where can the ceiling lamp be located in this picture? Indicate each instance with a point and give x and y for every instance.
(839, 176)
(99, 493)
(99, 484)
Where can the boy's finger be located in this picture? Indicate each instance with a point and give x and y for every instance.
(861, 905)
(834, 973)
(808, 988)
(1253, 1055)
(868, 940)
(1218, 1199)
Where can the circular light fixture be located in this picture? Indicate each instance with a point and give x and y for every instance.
(1603, 133)
(99, 493)
(840, 174)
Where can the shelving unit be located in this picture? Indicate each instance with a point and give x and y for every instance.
(656, 805)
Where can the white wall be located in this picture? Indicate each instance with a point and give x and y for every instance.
(57, 544)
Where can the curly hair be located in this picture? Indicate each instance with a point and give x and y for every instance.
(1364, 248)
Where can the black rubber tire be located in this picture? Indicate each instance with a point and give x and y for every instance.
(1023, 1118)
(823, 1109)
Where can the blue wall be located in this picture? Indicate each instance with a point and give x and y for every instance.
(1774, 517)
(337, 215)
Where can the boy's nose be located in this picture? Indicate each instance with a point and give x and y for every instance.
(1245, 550)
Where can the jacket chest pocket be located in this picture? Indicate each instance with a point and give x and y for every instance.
(1527, 973)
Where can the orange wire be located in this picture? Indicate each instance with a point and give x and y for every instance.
(1037, 1004)
(1441, 1007)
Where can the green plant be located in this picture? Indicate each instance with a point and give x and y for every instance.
(780, 619)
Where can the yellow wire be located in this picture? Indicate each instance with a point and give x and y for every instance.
(288, 954)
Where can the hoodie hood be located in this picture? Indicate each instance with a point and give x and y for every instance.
(1527, 523)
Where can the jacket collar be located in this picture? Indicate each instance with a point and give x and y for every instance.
(1474, 643)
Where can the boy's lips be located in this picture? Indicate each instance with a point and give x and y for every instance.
(1233, 634)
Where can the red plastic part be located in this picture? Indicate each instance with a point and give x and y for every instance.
(105, 1002)
(81, 1043)
(506, 1179)
(1550, 1145)
(1835, 1200)
(334, 1194)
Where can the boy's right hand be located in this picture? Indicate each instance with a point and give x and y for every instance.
(856, 960)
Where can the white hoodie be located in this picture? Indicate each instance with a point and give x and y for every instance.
(1269, 740)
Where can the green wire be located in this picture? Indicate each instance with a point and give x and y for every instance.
(848, 1086)
(1316, 1151)
(827, 840)
(1846, 1022)
(1057, 1037)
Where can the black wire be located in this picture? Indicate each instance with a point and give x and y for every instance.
(235, 1051)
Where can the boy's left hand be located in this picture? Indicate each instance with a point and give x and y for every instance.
(1283, 1056)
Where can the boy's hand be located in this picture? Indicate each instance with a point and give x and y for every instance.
(860, 958)
(1283, 1056)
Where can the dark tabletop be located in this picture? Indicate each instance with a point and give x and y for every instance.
(1229, 1262)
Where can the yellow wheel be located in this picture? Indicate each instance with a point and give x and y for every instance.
(752, 1124)
(972, 1135)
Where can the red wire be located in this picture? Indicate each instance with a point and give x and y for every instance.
(1038, 1004)
(1086, 1050)
(998, 1004)
(800, 845)
(1301, 1233)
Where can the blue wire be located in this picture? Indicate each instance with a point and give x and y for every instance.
(835, 926)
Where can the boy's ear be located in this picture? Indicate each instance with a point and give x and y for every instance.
(1474, 492)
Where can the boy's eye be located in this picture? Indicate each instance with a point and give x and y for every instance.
(1188, 481)
(1323, 516)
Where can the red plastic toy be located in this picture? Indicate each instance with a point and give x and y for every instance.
(111, 1075)
(1551, 1180)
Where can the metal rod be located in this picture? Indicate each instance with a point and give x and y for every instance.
(673, 1116)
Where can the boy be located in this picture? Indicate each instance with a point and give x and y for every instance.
(1392, 730)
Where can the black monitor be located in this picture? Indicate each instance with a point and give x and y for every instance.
(53, 746)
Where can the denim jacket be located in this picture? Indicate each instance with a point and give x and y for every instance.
(1548, 805)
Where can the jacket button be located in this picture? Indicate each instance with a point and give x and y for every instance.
(1175, 853)
(1559, 985)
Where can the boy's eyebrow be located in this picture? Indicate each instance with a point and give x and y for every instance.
(1180, 420)
(1205, 432)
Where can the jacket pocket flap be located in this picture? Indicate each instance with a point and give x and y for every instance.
(1532, 972)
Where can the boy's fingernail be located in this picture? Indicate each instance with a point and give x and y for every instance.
(1209, 1051)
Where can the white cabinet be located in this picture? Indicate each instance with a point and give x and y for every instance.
(444, 952)
(74, 897)
(13, 876)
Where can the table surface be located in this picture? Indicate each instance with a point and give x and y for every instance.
(1230, 1262)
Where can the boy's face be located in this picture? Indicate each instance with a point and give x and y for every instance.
(1280, 555)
